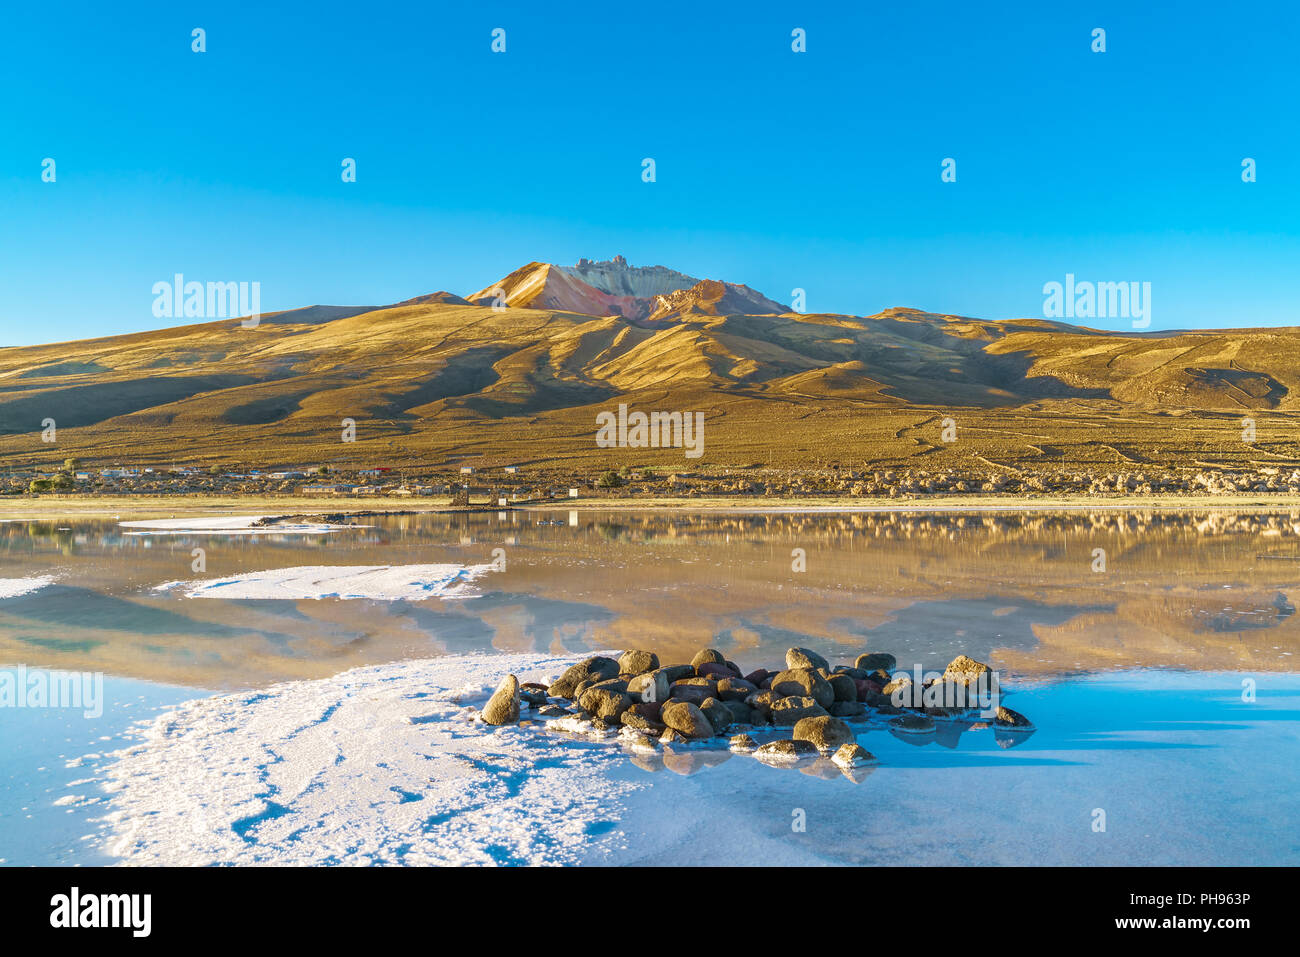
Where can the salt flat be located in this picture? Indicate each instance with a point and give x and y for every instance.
(378, 582)
(386, 765)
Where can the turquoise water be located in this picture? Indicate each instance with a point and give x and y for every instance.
(1184, 770)
(43, 753)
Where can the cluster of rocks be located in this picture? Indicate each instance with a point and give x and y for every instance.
(650, 704)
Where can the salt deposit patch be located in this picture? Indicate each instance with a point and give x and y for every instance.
(378, 582)
(13, 587)
(229, 525)
(379, 765)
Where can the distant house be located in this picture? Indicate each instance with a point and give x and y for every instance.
(511, 469)
(372, 473)
(278, 476)
(119, 473)
(329, 489)
(467, 470)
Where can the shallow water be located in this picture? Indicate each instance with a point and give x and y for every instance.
(50, 805)
(1194, 591)
(1132, 672)
(1138, 768)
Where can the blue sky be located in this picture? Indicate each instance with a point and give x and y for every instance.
(818, 170)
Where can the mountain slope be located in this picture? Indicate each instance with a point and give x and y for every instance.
(439, 379)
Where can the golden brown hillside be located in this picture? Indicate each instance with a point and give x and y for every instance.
(437, 380)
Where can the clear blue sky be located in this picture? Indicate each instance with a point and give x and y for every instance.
(780, 170)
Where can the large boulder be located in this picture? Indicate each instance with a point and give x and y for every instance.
(735, 689)
(605, 704)
(647, 709)
(966, 683)
(876, 661)
(695, 694)
(803, 682)
(635, 661)
(590, 669)
(825, 733)
(650, 686)
(718, 714)
(844, 687)
(967, 671)
(706, 655)
(503, 706)
(741, 713)
(786, 712)
(686, 719)
(762, 701)
(805, 658)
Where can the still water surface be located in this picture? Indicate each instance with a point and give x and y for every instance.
(1154, 652)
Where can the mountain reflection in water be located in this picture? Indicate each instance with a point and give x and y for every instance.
(1024, 591)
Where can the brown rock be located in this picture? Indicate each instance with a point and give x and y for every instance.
(718, 714)
(786, 712)
(686, 719)
(803, 682)
(852, 756)
(785, 751)
(590, 669)
(604, 704)
(843, 687)
(503, 706)
(735, 689)
(630, 719)
(695, 694)
(707, 655)
(826, 733)
(762, 701)
(743, 744)
(650, 686)
(804, 658)
(647, 709)
(635, 661)
(876, 661)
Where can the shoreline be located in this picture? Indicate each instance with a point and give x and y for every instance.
(49, 507)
